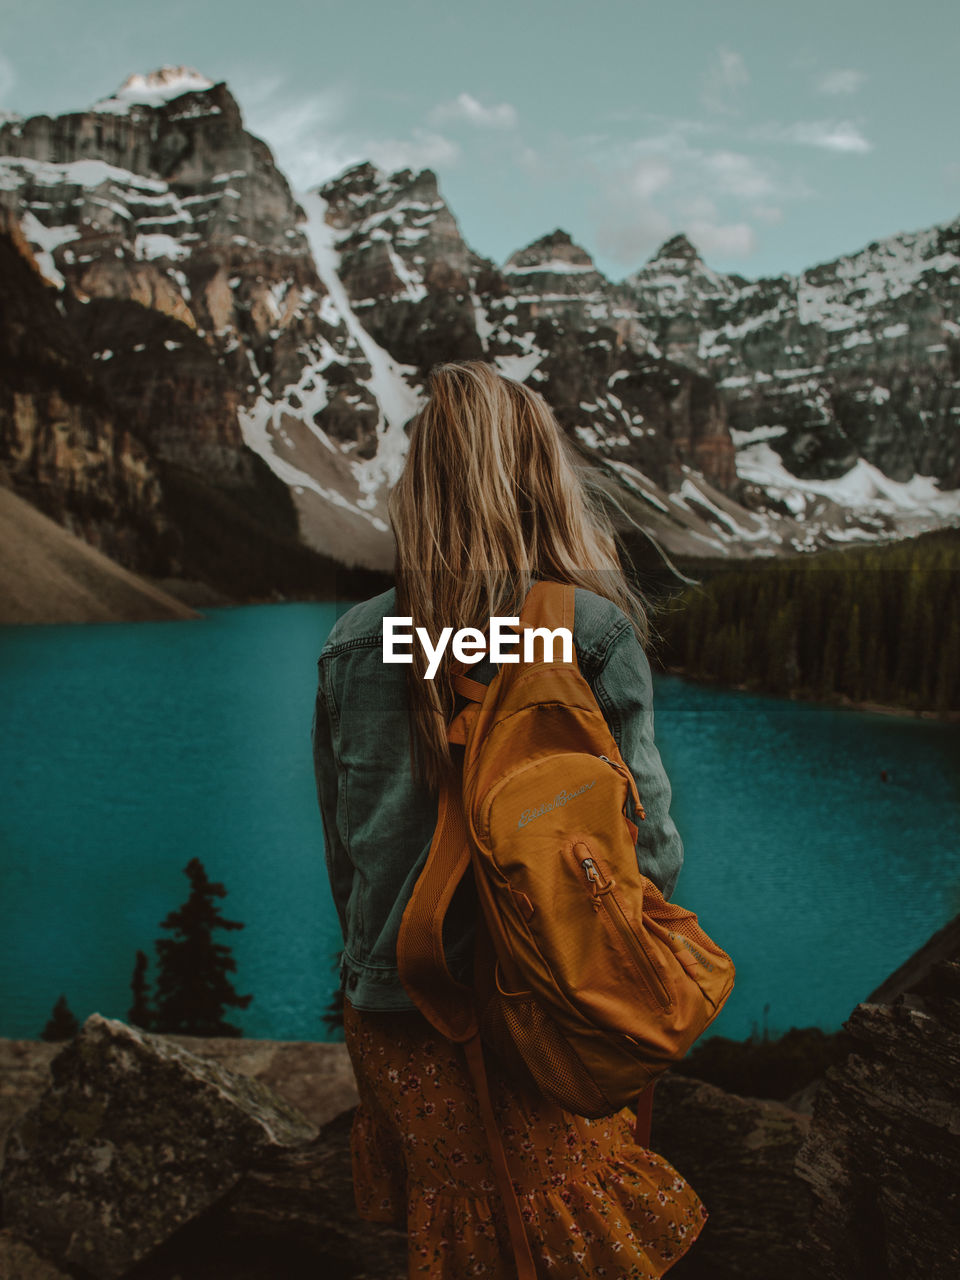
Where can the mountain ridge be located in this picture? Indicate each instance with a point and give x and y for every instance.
(313, 320)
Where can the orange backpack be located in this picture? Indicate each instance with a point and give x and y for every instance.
(587, 980)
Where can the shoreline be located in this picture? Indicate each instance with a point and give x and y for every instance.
(840, 702)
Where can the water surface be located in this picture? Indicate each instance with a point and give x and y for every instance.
(128, 749)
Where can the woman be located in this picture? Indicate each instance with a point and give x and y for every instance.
(487, 502)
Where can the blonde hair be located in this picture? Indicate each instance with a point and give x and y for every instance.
(488, 500)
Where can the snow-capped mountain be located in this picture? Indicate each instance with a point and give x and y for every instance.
(232, 323)
(855, 359)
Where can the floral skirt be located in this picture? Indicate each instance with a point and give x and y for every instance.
(594, 1203)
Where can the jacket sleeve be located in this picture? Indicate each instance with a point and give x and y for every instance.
(623, 688)
(327, 777)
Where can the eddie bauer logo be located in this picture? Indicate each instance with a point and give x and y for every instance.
(558, 801)
(697, 955)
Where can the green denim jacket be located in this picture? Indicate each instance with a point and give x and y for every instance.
(378, 824)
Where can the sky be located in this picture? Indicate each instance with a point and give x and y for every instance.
(775, 135)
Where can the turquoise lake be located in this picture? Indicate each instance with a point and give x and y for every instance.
(128, 749)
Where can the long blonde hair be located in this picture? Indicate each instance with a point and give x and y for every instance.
(489, 499)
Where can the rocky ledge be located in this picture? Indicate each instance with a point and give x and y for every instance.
(152, 1157)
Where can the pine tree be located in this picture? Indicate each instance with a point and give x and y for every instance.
(193, 987)
(140, 1014)
(62, 1024)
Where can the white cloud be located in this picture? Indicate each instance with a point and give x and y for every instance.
(466, 107)
(650, 175)
(422, 150)
(841, 136)
(735, 240)
(312, 143)
(842, 81)
(725, 77)
(737, 174)
(669, 182)
(305, 134)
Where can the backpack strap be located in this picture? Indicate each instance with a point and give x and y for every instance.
(447, 1004)
(552, 605)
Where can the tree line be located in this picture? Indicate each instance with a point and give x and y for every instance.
(193, 988)
(868, 624)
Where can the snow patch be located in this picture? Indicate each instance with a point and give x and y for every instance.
(864, 488)
(149, 247)
(754, 436)
(518, 367)
(43, 240)
(398, 401)
(152, 90)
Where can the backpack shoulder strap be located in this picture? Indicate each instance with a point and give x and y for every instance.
(550, 604)
(448, 1004)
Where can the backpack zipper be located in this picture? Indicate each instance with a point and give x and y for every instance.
(606, 900)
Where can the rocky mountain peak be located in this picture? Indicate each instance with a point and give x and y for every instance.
(364, 199)
(556, 252)
(678, 250)
(153, 89)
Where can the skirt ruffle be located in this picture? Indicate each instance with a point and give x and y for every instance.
(593, 1201)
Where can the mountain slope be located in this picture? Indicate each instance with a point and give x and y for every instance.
(48, 574)
(268, 350)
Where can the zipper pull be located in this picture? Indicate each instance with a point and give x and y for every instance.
(595, 879)
(641, 812)
(592, 874)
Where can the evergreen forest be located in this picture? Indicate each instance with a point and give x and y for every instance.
(877, 624)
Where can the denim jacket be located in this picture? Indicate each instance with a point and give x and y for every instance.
(378, 824)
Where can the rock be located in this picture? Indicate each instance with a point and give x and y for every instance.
(291, 1215)
(19, 1262)
(943, 945)
(779, 1067)
(852, 358)
(738, 1154)
(63, 448)
(317, 1078)
(134, 1137)
(883, 1154)
(209, 318)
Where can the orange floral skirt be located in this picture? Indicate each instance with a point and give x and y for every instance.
(594, 1203)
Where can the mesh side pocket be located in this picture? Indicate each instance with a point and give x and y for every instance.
(517, 1026)
(677, 918)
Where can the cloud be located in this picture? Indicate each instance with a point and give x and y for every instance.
(671, 180)
(842, 81)
(650, 175)
(737, 174)
(312, 142)
(466, 107)
(422, 150)
(735, 240)
(841, 136)
(725, 77)
(305, 134)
